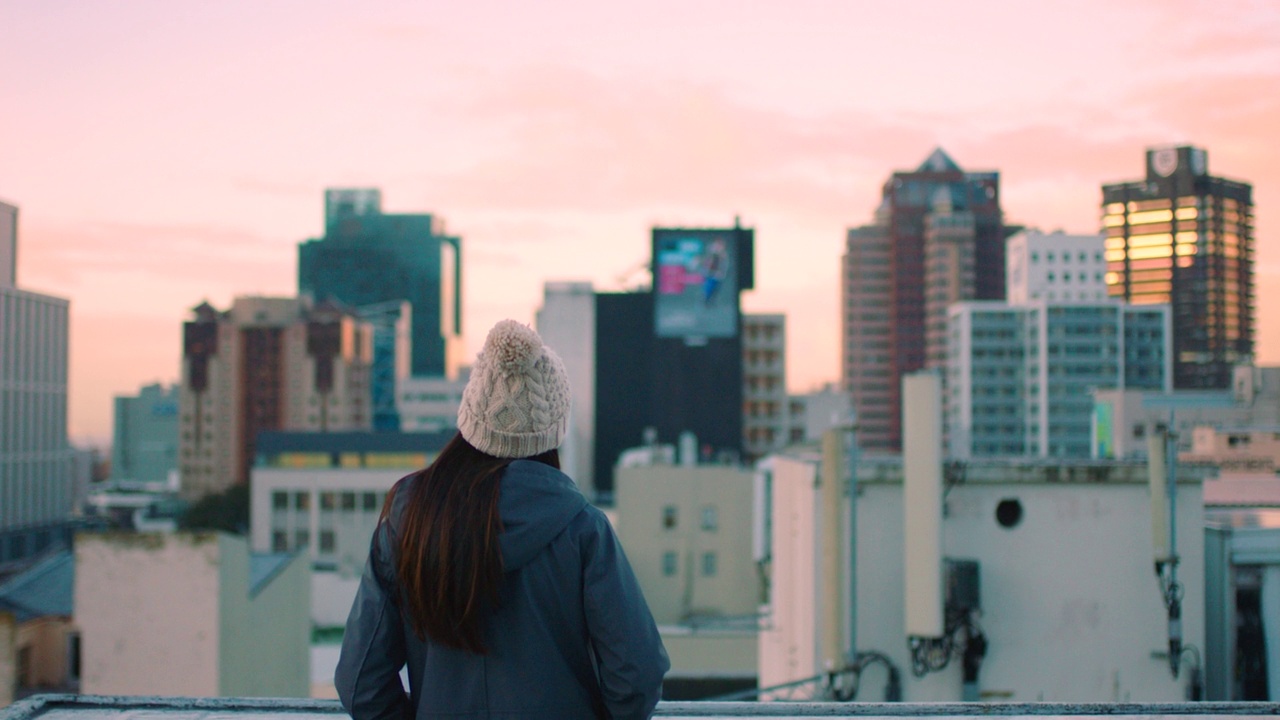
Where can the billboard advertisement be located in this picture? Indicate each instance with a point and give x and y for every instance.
(695, 275)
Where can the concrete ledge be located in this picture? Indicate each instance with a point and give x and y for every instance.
(85, 707)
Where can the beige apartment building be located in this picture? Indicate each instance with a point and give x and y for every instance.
(267, 363)
(764, 379)
(687, 532)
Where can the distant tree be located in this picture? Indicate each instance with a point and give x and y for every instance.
(226, 511)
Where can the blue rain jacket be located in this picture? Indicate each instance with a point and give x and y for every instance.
(572, 636)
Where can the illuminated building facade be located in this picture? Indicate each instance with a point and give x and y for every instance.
(1185, 238)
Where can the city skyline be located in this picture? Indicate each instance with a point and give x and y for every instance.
(163, 155)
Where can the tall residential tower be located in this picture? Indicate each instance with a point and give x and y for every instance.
(936, 225)
(266, 364)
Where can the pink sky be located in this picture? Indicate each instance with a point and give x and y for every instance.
(164, 153)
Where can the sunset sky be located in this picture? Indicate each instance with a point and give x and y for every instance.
(163, 153)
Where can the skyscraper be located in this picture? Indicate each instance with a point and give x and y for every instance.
(368, 257)
(935, 227)
(35, 457)
(266, 364)
(1184, 237)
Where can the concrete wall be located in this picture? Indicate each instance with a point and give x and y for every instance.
(264, 636)
(710, 654)
(788, 646)
(332, 594)
(1070, 604)
(147, 610)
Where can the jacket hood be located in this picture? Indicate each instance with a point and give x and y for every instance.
(536, 503)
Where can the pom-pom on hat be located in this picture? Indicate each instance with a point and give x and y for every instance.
(516, 403)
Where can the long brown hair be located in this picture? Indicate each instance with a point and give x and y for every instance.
(448, 562)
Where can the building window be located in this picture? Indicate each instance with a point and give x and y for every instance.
(302, 501)
(73, 656)
(669, 517)
(668, 563)
(370, 501)
(710, 522)
(328, 500)
(348, 501)
(326, 542)
(279, 501)
(279, 541)
(708, 564)
(302, 540)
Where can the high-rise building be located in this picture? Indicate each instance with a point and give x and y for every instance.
(36, 478)
(266, 364)
(144, 448)
(935, 226)
(765, 418)
(368, 257)
(1020, 378)
(1183, 237)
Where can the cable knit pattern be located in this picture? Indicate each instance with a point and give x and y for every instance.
(516, 403)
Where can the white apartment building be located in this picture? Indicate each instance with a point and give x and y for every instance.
(1055, 267)
(567, 323)
(321, 494)
(36, 480)
(1020, 378)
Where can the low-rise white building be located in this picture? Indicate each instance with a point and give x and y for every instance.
(430, 404)
(1069, 605)
(190, 614)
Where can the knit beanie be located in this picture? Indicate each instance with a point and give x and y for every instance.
(516, 403)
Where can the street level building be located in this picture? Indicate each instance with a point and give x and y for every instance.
(1184, 238)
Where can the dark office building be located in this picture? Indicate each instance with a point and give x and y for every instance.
(671, 358)
(1185, 238)
(367, 257)
(938, 237)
